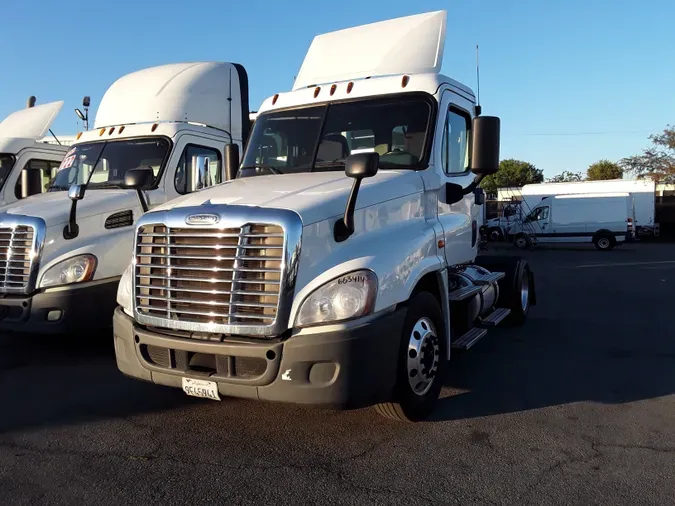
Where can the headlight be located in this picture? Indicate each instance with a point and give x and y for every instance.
(349, 296)
(124, 291)
(74, 270)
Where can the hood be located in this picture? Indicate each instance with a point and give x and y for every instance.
(54, 207)
(315, 196)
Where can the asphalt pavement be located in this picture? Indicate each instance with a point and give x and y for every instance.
(576, 407)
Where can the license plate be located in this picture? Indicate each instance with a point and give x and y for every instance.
(201, 388)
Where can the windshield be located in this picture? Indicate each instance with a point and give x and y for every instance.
(6, 164)
(104, 164)
(320, 138)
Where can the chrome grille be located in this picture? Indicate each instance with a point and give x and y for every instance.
(209, 276)
(17, 254)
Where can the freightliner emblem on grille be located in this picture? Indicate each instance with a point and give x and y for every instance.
(202, 219)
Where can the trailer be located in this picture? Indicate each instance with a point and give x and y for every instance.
(321, 276)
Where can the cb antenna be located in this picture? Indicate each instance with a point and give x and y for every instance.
(478, 107)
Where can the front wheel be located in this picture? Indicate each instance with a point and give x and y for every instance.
(421, 362)
(604, 242)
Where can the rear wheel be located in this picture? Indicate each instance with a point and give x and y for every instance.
(421, 362)
(496, 234)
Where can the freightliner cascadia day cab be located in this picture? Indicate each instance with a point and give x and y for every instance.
(27, 162)
(604, 219)
(323, 277)
(159, 133)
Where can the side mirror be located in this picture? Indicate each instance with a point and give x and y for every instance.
(231, 161)
(485, 145)
(358, 166)
(139, 179)
(31, 182)
(76, 192)
(362, 165)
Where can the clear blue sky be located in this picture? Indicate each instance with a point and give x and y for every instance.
(573, 81)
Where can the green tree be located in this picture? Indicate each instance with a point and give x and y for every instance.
(567, 177)
(656, 162)
(604, 169)
(512, 173)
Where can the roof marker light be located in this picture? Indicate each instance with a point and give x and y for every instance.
(77, 137)
(404, 81)
(316, 91)
(120, 130)
(100, 132)
(154, 127)
(275, 98)
(349, 87)
(332, 89)
(112, 129)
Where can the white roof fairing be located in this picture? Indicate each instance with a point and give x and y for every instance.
(195, 92)
(30, 123)
(407, 45)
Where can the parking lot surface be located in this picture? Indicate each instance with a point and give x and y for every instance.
(577, 406)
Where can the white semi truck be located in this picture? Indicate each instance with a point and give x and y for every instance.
(28, 160)
(158, 133)
(323, 277)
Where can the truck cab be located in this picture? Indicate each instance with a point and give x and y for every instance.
(28, 160)
(340, 267)
(159, 133)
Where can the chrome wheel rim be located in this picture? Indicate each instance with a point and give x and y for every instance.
(423, 356)
(521, 242)
(525, 291)
(603, 243)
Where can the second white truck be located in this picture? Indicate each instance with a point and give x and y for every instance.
(159, 133)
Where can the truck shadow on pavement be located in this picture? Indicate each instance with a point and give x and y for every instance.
(57, 380)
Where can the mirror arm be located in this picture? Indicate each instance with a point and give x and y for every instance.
(72, 230)
(474, 184)
(141, 198)
(344, 228)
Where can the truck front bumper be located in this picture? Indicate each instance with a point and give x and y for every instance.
(346, 368)
(62, 310)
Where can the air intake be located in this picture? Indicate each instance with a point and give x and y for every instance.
(121, 219)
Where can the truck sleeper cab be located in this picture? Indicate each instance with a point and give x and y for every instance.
(157, 135)
(329, 272)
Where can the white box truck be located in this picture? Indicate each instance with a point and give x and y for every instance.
(159, 133)
(321, 276)
(642, 190)
(604, 219)
(28, 161)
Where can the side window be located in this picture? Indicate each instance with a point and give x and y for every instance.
(543, 215)
(455, 145)
(199, 167)
(47, 170)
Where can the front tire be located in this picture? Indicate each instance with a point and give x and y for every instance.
(604, 242)
(421, 363)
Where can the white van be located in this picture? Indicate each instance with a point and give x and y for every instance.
(604, 219)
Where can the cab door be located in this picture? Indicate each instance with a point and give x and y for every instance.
(195, 163)
(460, 220)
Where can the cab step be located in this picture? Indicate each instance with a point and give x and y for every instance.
(469, 339)
(490, 278)
(464, 293)
(496, 317)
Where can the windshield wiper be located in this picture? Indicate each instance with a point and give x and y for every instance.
(263, 166)
(95, 186)
(57, 187)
